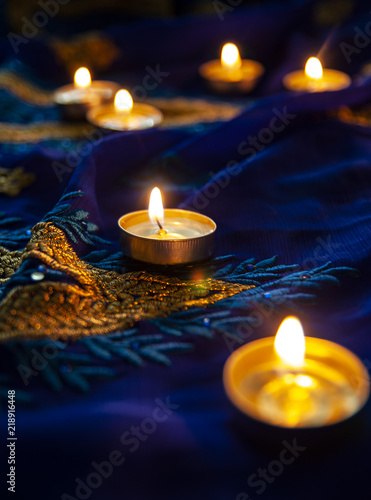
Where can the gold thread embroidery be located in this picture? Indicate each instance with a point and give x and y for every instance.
(13, 180)
(24, 90)
(12, 133)
(332, 11)
(356, 116)
(180, 111)
(10, 260)
(93, 49)
(176, 114)
(94, 301)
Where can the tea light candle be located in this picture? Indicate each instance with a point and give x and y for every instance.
(316, 79)
(289, 381)
(124, 114)
(170, 236)
(231, 73)
(75, 99)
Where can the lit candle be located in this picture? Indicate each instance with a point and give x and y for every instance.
(230, 73)
(316, 79)
(124, 114)
(170, 236)
(293, 381)
(75, 99)
(230, 59)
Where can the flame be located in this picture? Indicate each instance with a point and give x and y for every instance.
(313, 68)
(123, 101)
(290, 342)
(82, 78)
(304, 381)
(230, 57)
(156, 209)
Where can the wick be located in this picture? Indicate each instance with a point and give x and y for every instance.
(161, 231)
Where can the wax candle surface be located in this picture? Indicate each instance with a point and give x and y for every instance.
(92, 94)
(176, 228)
(126, 121)
(310, 396)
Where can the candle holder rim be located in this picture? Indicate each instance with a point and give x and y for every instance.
(301, 72)
(93, 114)
(203, 70)
(72, 86)
(145, 212)
(244, 406)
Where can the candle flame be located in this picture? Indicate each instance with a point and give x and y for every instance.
(156, 209)
(290, 342)
(304, 381)
(230, 57)
(82, 78)
(123, 101)
(313, 68)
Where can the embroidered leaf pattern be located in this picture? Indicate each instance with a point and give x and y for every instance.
(108, 297)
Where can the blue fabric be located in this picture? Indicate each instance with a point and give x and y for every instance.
(304, 196)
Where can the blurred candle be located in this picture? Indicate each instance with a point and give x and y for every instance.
(293, 381)
(230, 73)
(124, 114)
(316, 79)
(75, 99)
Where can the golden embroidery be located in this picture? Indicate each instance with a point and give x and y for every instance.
(332, 11)
(94, 301)
(24, 90)
(356, 116)
(177, 116)
(13, 180)
(14, 133)
(94, 50)
(9, 263)
(180, 111)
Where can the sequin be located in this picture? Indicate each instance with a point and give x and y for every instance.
(37, 276)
